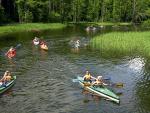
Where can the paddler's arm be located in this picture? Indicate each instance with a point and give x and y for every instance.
(105, 84)
(93, 78)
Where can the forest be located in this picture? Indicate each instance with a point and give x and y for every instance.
(28, 11)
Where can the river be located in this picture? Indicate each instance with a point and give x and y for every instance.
(44, 78)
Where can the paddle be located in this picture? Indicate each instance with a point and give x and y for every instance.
(17, 46)
(117, 85)
(76, 80)
(106, 78)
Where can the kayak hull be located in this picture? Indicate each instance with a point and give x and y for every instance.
(100, 91)
(44, 48)
(8, 85)
(11, 54)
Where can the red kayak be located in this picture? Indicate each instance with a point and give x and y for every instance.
(11, 54)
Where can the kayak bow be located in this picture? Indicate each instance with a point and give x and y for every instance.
(8, 85)
(44, 47)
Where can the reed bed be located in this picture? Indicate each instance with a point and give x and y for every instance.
(123, 42)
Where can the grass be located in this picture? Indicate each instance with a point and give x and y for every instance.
(29, 27)
(123, 43)
(102, 23)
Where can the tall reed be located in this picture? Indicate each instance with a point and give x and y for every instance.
(123, 42)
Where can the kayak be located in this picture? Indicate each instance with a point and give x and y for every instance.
(100, 91)
(11, 54)
(8, 85)
(44, 47)
(36, 42)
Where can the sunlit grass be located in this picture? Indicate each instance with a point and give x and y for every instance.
(29, 27)
(102, 23)
(123, 42)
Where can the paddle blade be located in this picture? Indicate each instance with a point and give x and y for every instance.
(18, 45)
(75, 80)
(118, 85)
(107, 78)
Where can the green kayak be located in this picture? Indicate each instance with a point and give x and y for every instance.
(101, 91)
(4, 88)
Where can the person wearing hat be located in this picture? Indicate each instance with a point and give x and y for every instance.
(77, 44)
(36, 41)
(98, 81)
(7, 77)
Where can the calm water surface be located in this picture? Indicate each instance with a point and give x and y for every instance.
(44, 79)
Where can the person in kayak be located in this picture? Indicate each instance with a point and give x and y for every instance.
(6, 77)
(11, 52)
(98, 81)
(36, 41)
(77, 44)
(87, 77)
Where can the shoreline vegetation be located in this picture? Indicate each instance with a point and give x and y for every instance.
(29, 27)
(123, 43)
(36, 27)
(102, 23)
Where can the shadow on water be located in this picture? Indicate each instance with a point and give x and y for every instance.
(44, 77)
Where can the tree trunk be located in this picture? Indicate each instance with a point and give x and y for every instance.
(102, 11)
(133, 11)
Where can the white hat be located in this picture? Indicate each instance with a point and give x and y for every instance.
(99, 77)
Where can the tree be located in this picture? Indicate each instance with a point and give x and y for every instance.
(1, 14)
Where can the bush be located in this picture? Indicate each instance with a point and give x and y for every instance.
(28, 17)
(54, 17)
(146, 23)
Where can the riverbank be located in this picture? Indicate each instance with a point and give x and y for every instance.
(101, 23)
(29, 27)
(123, 43)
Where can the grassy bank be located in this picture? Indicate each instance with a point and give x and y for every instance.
(29, 27)
(101, 23)
(123, 42)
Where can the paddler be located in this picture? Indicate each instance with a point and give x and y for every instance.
(11, 52)
(87, 77)
(98, 81)
(6, 77)
(77, 44)
(36, 41)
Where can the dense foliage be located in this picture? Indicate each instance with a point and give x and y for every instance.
(74, 10)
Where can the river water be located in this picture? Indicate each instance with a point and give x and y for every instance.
(44, 78)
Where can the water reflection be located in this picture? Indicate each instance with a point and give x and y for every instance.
(89, 96)
(137, 64)
(44, 54)
(143, 89)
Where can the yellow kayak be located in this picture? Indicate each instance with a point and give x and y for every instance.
(44, 47)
